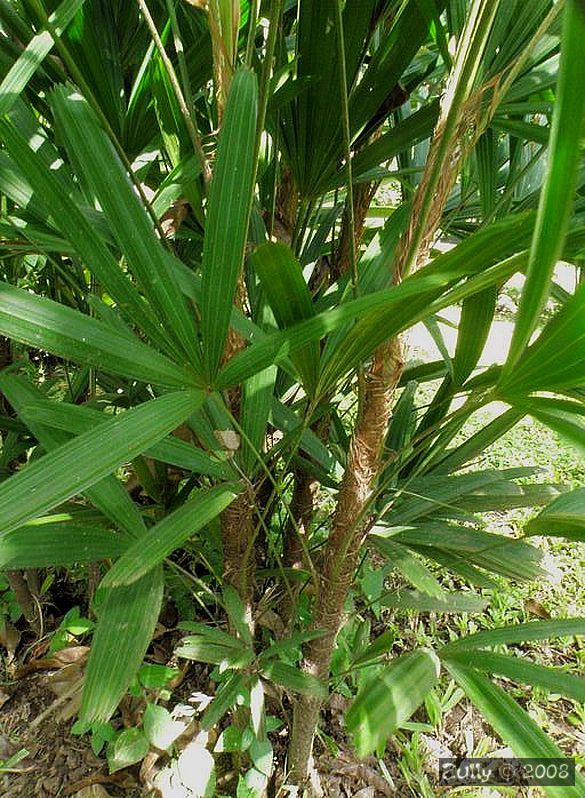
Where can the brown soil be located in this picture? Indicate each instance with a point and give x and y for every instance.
(60, 764)
(56, 763)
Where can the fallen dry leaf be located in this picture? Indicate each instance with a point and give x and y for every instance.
(149, 770)
(534, 607)
(9, 638)
(72, 654)
(94, 791)
(228, 440)
(3, 698)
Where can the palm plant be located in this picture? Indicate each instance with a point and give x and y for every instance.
(185, 191)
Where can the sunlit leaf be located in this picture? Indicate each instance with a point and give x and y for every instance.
(390, 697)
(228, 214)
(34, 54)
(557, 194)
(160, 728)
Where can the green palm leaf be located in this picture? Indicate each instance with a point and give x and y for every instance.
(169, 534)
(78, 464)
(282, 279)
(171, 450)
(389, 698)
(522, 670)
(512, 723)
(50, 544)
(42, 323)
(228, 215)
(108, 495)
(565, 516)
(61, 204)
(557, 194)
(96, 161)
(34, 54)
(519, 633)
(556, 360)
(126, 622)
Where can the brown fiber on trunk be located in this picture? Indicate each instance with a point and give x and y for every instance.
(237, 528)
(299, 521)
(295, 541)
(237, 520)
(363, 195)
(349, 526)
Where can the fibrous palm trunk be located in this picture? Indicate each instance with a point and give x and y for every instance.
(350, 523)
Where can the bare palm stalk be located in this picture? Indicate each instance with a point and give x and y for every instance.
(362, 198)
